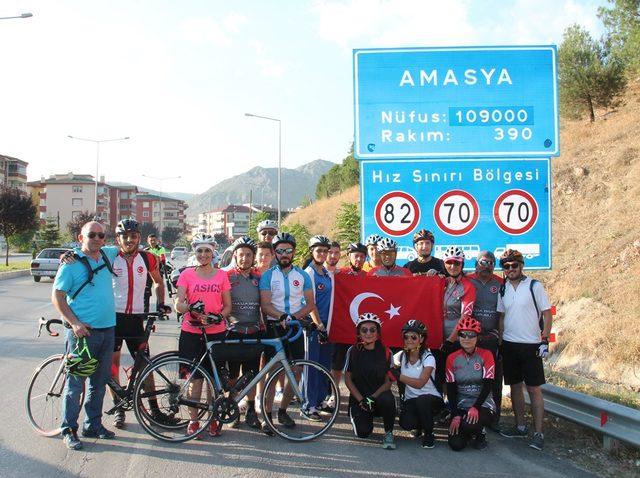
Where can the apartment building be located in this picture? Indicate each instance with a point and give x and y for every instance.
(232, 220)
(13, 173)
(149, 206)
(123, 202)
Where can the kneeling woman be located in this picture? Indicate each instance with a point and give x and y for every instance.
(415, 367)
(210, 286)
(367, 378)
(470, 375)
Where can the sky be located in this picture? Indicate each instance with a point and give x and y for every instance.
(177, 77)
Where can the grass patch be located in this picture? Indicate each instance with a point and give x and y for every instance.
(15, 266)
(608, 392)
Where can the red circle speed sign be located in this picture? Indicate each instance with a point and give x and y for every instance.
(397, 213)
(515, 211)
(456, 212)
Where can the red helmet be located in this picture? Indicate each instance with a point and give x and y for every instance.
(469, 323)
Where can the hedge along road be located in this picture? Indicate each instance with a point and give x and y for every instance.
(237, 453)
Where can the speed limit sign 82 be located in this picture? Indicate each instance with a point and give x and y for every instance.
(397, 213)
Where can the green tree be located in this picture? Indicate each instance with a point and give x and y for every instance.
(222, 240)
(23, 242)
(347, 225)
(183, 242)
(589, 76)
(18, 214)
(256, 219)
(302, 235)
(50, 233)
(339, 178)
(75, 225)
(622, 24)
(170, 235)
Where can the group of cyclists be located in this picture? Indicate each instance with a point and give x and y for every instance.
(459, 384)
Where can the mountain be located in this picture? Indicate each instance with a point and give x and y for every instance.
(167, 194)
(297, 184)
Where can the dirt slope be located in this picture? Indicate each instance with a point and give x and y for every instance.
(595, 281)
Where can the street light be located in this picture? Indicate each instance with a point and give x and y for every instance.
(279, 158)
(22, 15)
(97, 142)
(160, 179)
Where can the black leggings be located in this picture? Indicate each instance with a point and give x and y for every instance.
(417, 413)
(362, 421)
(466, 431)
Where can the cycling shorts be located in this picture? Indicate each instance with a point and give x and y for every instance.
(521, 363)
(130, 329)
(339, 356)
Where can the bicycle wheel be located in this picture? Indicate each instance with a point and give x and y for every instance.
(45, 394)
(174, 380)
(302, 426)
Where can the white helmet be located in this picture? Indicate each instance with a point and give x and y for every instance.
(319, 240)
(453, 252)
(387, 244)
(368, 317)
(373, 239)
(267, 224)
(203, 239)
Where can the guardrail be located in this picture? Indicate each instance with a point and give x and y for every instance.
(614, 421)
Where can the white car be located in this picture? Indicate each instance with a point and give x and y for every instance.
(46, 263)
(179, 253)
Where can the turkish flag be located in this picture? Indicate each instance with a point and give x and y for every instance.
(393, 299)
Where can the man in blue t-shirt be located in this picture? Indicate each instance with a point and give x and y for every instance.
(88, 309)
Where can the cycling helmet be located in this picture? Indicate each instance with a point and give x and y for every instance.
(127, 225)
(203, 239)
(80, 363)
(319, 240)
(387, 244)
(356, 247)
(414, 326)
(368, 317)
(373, 239)
(423, 234)
(282, 238)
(453, 253)
(469, 323)
(245, 241)
(511, 255)
(267, 224)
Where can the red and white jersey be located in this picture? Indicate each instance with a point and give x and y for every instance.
(132, 285)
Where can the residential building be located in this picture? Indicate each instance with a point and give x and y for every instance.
(232, 220)
(13, 173)
(123, 202)
(148, 208)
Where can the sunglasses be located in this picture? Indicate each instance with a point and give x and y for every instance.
(467, 335)
(268, 233)
(92, 235)
(454, 263)
(288, 250)
(410, 337)
(486, 262)
(202, 250)
(368, 330)
(511, 265)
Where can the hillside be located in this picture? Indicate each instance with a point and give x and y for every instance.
(596, 230)
(264, 184)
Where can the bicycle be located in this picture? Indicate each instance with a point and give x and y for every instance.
(46, 386)
(174, 379)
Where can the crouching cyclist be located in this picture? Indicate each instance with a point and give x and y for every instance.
(470, 374)
(368, 381)
(415, 367)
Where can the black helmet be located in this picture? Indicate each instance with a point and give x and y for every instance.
(127, 225)
(511, 255)
(422, 235)
(244, 241)
(284, 237)
(356, 247)
(414, 326)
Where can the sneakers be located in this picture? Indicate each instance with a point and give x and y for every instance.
(537, 441)
(387, 441)
(416, 433)
(118, 418)
(311, 414)
(215, 428)
(102, 433)
(71, 440)
(326, 408)
(162, 418)
(236, 423)
(285, 420)
(515, 432)
(428, 441)
(266, 430)
(251, 419)
(192, 428)
(480, 441)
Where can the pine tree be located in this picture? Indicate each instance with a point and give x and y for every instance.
(50, 233)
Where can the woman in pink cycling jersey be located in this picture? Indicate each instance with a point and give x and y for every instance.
(208, 287)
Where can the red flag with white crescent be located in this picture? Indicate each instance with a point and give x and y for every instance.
(393, 299)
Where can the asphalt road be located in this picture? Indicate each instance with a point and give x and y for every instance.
(237, 453)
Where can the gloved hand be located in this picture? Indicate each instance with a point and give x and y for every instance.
(368, 404)
(197, 306)
(323, 336)
(472, 415)
(395, 371)
(543, 349)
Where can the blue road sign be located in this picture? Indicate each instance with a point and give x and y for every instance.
(490, 204)
(445, 103)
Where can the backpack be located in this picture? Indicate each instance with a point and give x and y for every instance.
(533, 297)
(90, 271)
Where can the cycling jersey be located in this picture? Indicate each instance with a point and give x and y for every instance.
(351, 272)
(132, 283)
(468, 371)
(382, 271)
(485, 306)
(459, 298)
(287, 289)
(322, 285)
(245, 300)
(159, 251)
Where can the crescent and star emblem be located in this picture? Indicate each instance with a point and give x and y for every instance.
(354, 307)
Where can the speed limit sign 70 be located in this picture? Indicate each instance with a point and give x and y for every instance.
(397, 213)
(456, 212)
(515, 211)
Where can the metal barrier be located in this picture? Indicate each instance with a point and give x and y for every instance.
(615, 422)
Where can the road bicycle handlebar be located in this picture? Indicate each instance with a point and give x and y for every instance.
(47, 323)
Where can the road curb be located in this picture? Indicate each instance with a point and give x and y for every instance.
(14, 274)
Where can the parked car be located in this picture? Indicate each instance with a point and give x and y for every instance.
(179, 253)
(46, 263)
